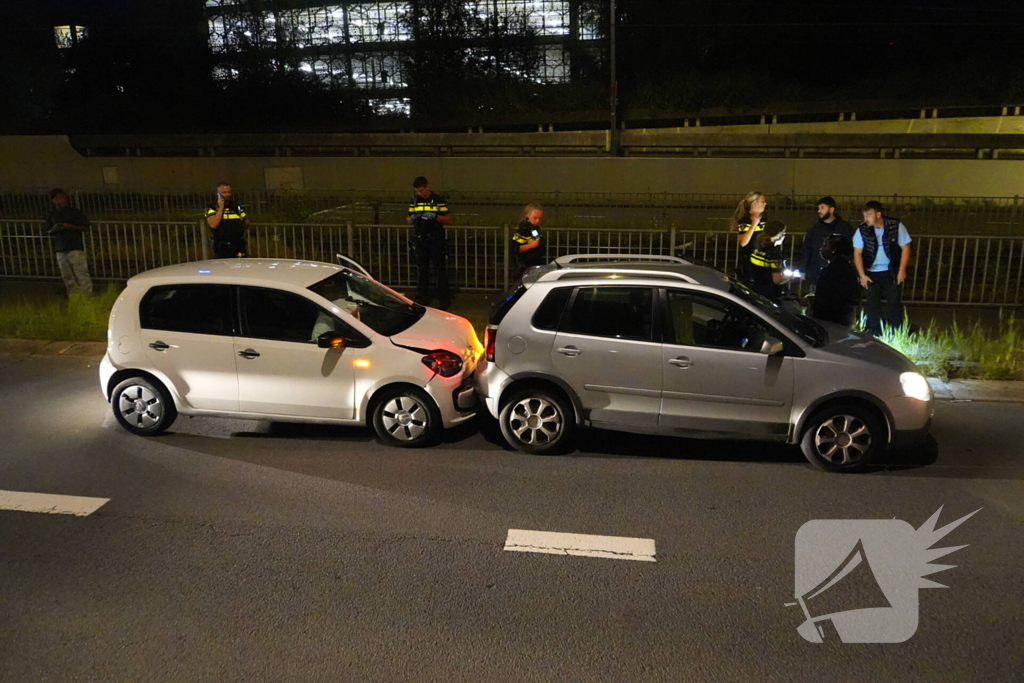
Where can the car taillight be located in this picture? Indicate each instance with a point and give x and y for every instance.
(444, 363)
(490, 334)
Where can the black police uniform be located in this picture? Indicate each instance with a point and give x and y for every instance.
(526, 233)
(763, 264)
(430, 245)
(747, 251)
(229, 237)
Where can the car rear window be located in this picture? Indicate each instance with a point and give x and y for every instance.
(502, 308)
(199, 309)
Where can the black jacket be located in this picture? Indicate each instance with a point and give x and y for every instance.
(67, 239)
(813, 263)
(837, 294)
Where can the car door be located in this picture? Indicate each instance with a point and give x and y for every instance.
(186, 333)
(281, 369)
(715, 376)
(605, 349)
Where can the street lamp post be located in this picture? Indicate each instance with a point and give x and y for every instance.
(613, 85)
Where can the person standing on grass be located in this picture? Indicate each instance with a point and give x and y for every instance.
(881, 254)
(747, 220)
(528, 242)
(429, 214)
(67, 225)
(228, 221)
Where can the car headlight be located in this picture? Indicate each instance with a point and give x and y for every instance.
(916, 386)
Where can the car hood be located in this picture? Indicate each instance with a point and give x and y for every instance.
(846, 343)
(438, 330)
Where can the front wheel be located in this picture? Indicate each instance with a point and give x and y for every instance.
(538, 422)
(142, 406)
(407, 418)
(843, 438)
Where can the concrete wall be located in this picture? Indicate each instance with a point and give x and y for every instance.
(30, 162)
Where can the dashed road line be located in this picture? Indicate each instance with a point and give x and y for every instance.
(50, 503)
(585, 545)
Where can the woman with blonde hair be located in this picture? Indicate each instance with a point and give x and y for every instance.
(527, 242)
(747, 220)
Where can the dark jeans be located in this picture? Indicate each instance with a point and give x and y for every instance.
(229, 249)
(883, 286)
(432, 254)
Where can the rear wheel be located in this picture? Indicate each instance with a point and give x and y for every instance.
(142, 406)
(407, 418)
(538, 421)
(843, 438)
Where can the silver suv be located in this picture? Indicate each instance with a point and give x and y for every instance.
(660, 345)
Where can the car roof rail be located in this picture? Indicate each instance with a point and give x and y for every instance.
(571, 259)
(622, 273)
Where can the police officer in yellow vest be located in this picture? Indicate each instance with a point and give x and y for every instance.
(429, 214)
(766, 273)
(228, 222)
(527, 241)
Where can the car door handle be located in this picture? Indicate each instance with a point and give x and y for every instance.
(570, 351)
(248, 353)
(681, 362)
(159, 346)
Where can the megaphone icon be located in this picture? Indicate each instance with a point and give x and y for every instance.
(859, 590)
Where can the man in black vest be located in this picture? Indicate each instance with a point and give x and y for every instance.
(429, 214)
(881, 253)
(228, 221)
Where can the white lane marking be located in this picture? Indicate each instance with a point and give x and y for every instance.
(586, 545)
(50, 503)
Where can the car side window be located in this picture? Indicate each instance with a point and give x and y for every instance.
(616, 312)
(199, 309)
(710, 322)
(284, 316)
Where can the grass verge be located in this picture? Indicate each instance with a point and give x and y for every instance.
(963, 352)
(79, 318)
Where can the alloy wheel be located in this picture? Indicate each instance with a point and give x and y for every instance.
(536, 421)
(842, 440)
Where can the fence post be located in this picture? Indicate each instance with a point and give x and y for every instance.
(506, 238)
(204, 245)
(672, 240)
(349, 240)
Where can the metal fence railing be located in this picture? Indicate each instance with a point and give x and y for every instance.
(974, 216)
(947, 269)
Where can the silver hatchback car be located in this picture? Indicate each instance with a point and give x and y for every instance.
(668, 347)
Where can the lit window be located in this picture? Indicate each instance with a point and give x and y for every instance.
(69, 36)
(395, 106)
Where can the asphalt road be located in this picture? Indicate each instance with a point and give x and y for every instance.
(242, 550)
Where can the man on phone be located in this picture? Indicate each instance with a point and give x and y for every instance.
(67, 225)
(228, 222)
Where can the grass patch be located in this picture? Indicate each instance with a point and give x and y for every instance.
(79, 318)
(962, 352)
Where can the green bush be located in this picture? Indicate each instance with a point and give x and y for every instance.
(962, 353)
(79, 318)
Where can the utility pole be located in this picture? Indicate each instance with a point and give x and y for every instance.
(613, 85)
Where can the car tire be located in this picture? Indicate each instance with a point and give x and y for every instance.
(844, 437)
(538, 422)
(406, 417)
(143, 406)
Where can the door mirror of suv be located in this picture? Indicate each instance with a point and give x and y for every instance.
(771, 347)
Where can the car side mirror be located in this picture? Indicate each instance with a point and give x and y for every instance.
(332, 340)
(771, 347)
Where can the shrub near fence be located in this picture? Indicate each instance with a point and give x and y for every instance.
(946, 270)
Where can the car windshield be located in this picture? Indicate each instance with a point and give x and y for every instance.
(808, 330)
(375, 306)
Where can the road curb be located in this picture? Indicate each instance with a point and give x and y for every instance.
(46, 347)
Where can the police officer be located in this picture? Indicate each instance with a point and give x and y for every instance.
(747, 220)
(766, 271)
(528, 242)
(228, 222)
(429, 213)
